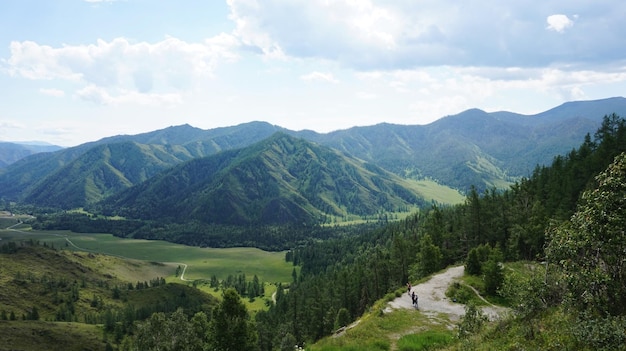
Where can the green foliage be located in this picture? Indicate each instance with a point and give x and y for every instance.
(461, 293)
(493, 276)
(288, 343)
(531, 290)
(343, 318)
(230, 325)
(429, 258)
(472, 263)
(603, 334)
(472, 322)
(493, 272)
(590, 247)
(172, 333)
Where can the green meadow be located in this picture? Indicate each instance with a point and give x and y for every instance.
(202, 263)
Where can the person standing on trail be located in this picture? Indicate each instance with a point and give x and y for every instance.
(408, 286)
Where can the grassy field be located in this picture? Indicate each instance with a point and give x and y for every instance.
(202, 262)
(434, 191)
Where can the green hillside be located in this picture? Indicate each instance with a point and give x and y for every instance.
(87, 173)
(69, 299)
(277, 181)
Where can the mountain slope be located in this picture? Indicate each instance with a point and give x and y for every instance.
(12, 152)
(81, 175)
(102, 171)
(279, 180)
(475, 147)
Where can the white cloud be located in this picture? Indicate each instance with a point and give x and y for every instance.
(363, 95)
(320, 76)
(434, 92)
(52, 92)
(559, 23)
(10, 125)
(389, 35)
(102, 96)
(147, 71)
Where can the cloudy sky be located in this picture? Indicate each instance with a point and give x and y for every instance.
(73, 71)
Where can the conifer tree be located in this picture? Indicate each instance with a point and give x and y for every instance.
(231, 327)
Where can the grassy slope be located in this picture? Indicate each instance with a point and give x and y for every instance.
(21, 289)
(52, 336)
(433, 191)
(399, 329)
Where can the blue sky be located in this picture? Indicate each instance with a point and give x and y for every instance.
(73, 71)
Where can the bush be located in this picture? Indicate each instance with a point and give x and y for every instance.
(460, 293)
(472, 322)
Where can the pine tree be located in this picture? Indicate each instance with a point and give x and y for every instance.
(472, 263)
(231, 327)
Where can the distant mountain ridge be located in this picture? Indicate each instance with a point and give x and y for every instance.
(11, 152)
(475, 147)
(471, 148)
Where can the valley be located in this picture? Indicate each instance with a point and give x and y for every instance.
(295, 241)
(202, 263)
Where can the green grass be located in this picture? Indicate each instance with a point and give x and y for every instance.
(386, 331)
(38, 335)
(202, 262)
(433, 191)
(427, 340)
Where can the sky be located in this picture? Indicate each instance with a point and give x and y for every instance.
(73, 71)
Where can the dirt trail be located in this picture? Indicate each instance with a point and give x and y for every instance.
(433, 301)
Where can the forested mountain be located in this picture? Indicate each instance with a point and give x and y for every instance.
(279, 180)
(12, 152)
(473, 148)
(92, 171)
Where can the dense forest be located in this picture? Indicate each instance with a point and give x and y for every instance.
(347, 275)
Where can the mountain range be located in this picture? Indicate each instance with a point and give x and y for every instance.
(280, 180)
(258, 171)
(12, 152)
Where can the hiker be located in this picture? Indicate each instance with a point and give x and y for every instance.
(408, 286)
(414, 298)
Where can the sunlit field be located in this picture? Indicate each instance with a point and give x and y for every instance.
(202, 262)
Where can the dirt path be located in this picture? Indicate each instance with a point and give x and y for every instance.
(433, 301)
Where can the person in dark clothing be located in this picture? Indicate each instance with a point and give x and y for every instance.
(414, 299)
